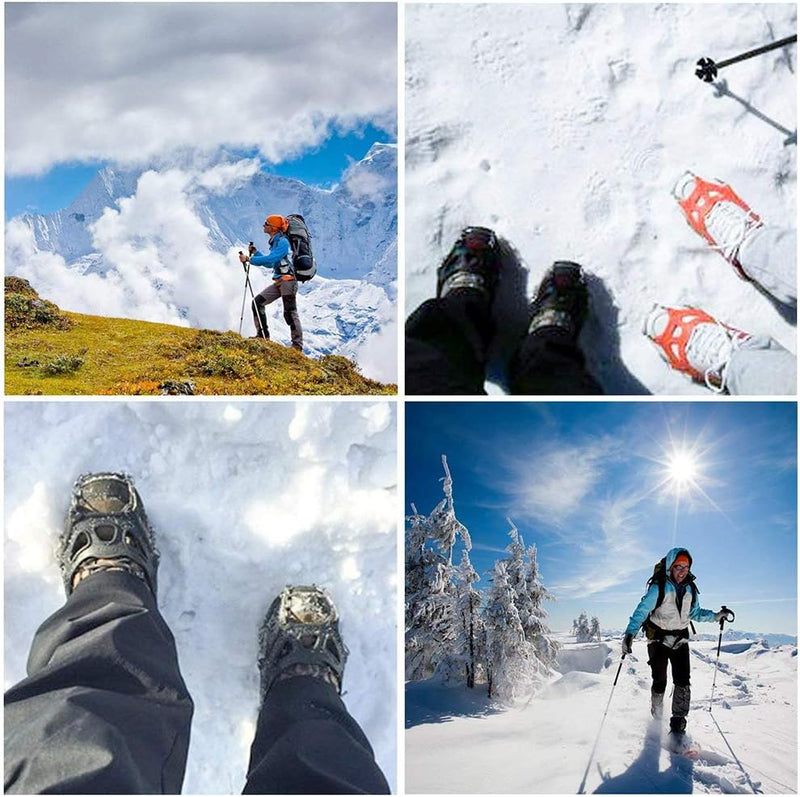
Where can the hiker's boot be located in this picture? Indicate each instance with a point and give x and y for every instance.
(714, 210)
(695, 343)
(677, 725)
(300, 636)
(106, 529)
(472, 264)
(561, 301)
(656, 705)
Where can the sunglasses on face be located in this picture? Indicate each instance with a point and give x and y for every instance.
(680, 568)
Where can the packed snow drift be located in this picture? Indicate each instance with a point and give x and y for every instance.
(458, 741)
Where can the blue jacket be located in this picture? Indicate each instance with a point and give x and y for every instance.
(673, 594)
(279, 257)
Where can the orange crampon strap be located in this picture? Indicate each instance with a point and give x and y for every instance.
(675, 337)
(703, 197)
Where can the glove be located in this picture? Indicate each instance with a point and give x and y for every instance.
(627, 644)
(724, 614)
(243, 258)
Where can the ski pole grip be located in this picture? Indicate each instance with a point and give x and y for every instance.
(728, 615)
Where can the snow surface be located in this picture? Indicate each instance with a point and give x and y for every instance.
(245, 498)
(460, 742)
(565, 127)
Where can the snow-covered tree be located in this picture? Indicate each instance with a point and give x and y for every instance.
(469, 641)
(586, 630)
(431, 614)
(519, 649)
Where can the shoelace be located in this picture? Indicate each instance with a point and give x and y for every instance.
(728, 225)
(712, 344)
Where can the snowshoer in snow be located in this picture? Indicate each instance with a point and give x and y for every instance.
(665, 612)
(104, 709)
(284, 280)
(692, 341)
(448, 338)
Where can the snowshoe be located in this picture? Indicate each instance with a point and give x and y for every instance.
(694, 343)
(106, 529)
(718, 214)
(473, 263)
(680, 743)
(300, 636)
(562, 299)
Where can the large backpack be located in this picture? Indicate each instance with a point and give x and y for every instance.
(305, 267)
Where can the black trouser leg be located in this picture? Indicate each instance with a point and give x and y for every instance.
(104, 709)
(307, 743)
(678, 659)
(550, 362)
(446, 344)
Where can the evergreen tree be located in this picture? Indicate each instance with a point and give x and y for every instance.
(431, 616)
(468, 647)
(519, 649)
(594, 630)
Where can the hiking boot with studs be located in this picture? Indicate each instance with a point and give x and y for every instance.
(300, 636)
(106, 529)
(562, 299)
(473, 263)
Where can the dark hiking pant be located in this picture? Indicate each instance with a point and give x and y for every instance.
(447, 341)
(658, 657)
(286, 290)
(104, 710)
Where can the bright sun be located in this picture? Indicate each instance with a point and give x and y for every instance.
(682, 468)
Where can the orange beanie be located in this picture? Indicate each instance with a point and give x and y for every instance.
(278, 222)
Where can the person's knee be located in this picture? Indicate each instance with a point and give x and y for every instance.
(659, 686)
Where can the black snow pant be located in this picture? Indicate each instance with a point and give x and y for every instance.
(447, 341)
(104, 710)
(658, 657)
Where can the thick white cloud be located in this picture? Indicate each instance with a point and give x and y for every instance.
(130, 82)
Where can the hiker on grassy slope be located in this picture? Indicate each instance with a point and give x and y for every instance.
(284, 280)
(665, 612)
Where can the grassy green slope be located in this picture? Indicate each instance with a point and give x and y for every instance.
(52, 352)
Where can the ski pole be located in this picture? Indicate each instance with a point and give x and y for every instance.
(707, 68)
(602, 722)
(728, 615)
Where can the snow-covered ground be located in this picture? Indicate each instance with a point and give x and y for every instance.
(565, 127)
(460, 742)
(245, 498)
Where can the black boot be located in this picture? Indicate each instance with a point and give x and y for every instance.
(562, 300)
(677, 725)
(300, 636)
(106, 529)
(473, 263)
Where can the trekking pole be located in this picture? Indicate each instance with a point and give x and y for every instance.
(602, 722)
(707, 68)
(730, 617)
(248, 284)
(244, 295)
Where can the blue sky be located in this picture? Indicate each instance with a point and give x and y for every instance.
(321, 166)
(591, 485)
